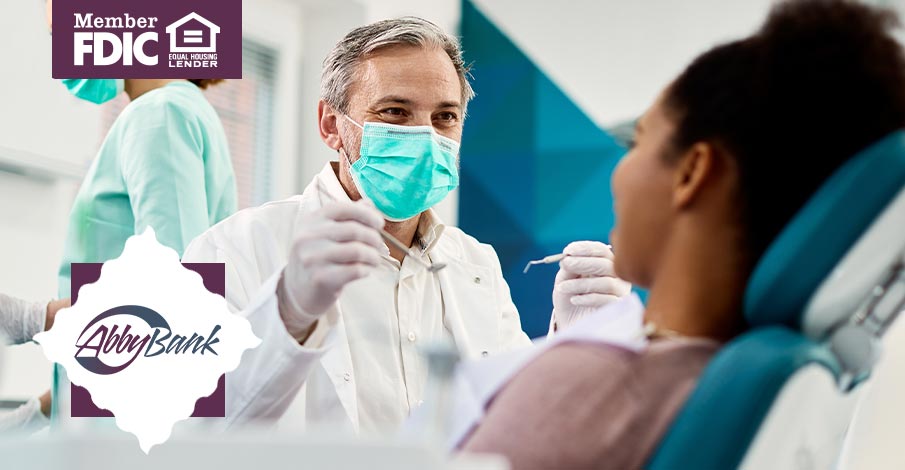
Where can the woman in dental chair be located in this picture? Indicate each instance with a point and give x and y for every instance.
(723, 159)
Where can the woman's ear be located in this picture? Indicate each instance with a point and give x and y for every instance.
(327, 119)
(694, 170)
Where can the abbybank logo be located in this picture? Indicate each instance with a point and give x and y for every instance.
(114, 339)
(142, 320)
(147, 39)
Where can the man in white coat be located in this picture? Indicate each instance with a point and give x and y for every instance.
(341, 313)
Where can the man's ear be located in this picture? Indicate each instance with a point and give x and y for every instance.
(694, 171)
(327, 119)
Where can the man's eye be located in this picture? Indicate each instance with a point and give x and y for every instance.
(394, 111)
(447, 117)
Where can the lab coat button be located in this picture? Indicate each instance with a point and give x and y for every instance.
(412, 336)
(347, 377)
(485, 353)
(477, 280)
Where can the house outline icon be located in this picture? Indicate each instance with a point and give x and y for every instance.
(173, 31)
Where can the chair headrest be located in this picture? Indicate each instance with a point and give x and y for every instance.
(860, 271)
(827, 227)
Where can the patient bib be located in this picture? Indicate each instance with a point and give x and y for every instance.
(619, 324)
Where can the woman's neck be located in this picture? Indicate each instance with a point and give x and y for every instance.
(136, 87)
(699, 288)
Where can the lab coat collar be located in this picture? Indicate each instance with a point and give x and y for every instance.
(430, 227)
(329, 182)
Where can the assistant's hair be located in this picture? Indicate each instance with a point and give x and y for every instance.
(340, 65)
(821, 80)
(206, 82)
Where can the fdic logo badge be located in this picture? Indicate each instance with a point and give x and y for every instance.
(147, 39)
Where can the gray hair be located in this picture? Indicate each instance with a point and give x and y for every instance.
(340, 64)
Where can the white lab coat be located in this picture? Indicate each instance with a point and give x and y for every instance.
(319, 381)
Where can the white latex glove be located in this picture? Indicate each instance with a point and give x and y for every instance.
(20, 320)
(24, 419)
(585, 282)
(339, 244)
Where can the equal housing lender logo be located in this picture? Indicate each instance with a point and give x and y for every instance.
(147, 39)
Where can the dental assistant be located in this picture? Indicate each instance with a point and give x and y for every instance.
(164, 164)
(342, 314)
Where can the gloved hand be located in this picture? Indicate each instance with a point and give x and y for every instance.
(20, 320)
(339, 244)
(585, 282)
(28, 418)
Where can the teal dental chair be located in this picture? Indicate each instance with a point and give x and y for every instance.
(818, 304)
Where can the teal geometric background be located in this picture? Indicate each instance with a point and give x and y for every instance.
(535, 170)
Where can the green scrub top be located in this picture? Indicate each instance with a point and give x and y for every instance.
(164, 164)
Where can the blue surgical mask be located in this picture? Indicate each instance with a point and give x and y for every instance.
(95, 90)
(404, 170)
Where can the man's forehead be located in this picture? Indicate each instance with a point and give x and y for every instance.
(419, 75)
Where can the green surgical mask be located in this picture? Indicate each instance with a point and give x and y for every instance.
(404, 170)
(95, 90)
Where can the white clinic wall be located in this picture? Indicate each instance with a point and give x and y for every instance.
(323, 24)
(279, 24)
(37, 114)
(38, 120)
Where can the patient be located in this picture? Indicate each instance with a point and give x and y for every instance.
(723, 159)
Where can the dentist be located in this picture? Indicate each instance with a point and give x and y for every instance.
(342, 314)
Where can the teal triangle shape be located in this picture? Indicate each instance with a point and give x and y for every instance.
(562, 125)
(586, 215)
(535, 168)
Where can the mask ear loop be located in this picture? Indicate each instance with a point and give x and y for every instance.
(353, 122)
(342, 149)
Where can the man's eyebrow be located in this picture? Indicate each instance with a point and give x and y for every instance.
(450, 104)
(393, 99)
(405, 101)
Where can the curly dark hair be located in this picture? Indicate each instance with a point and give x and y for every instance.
(821, 80)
